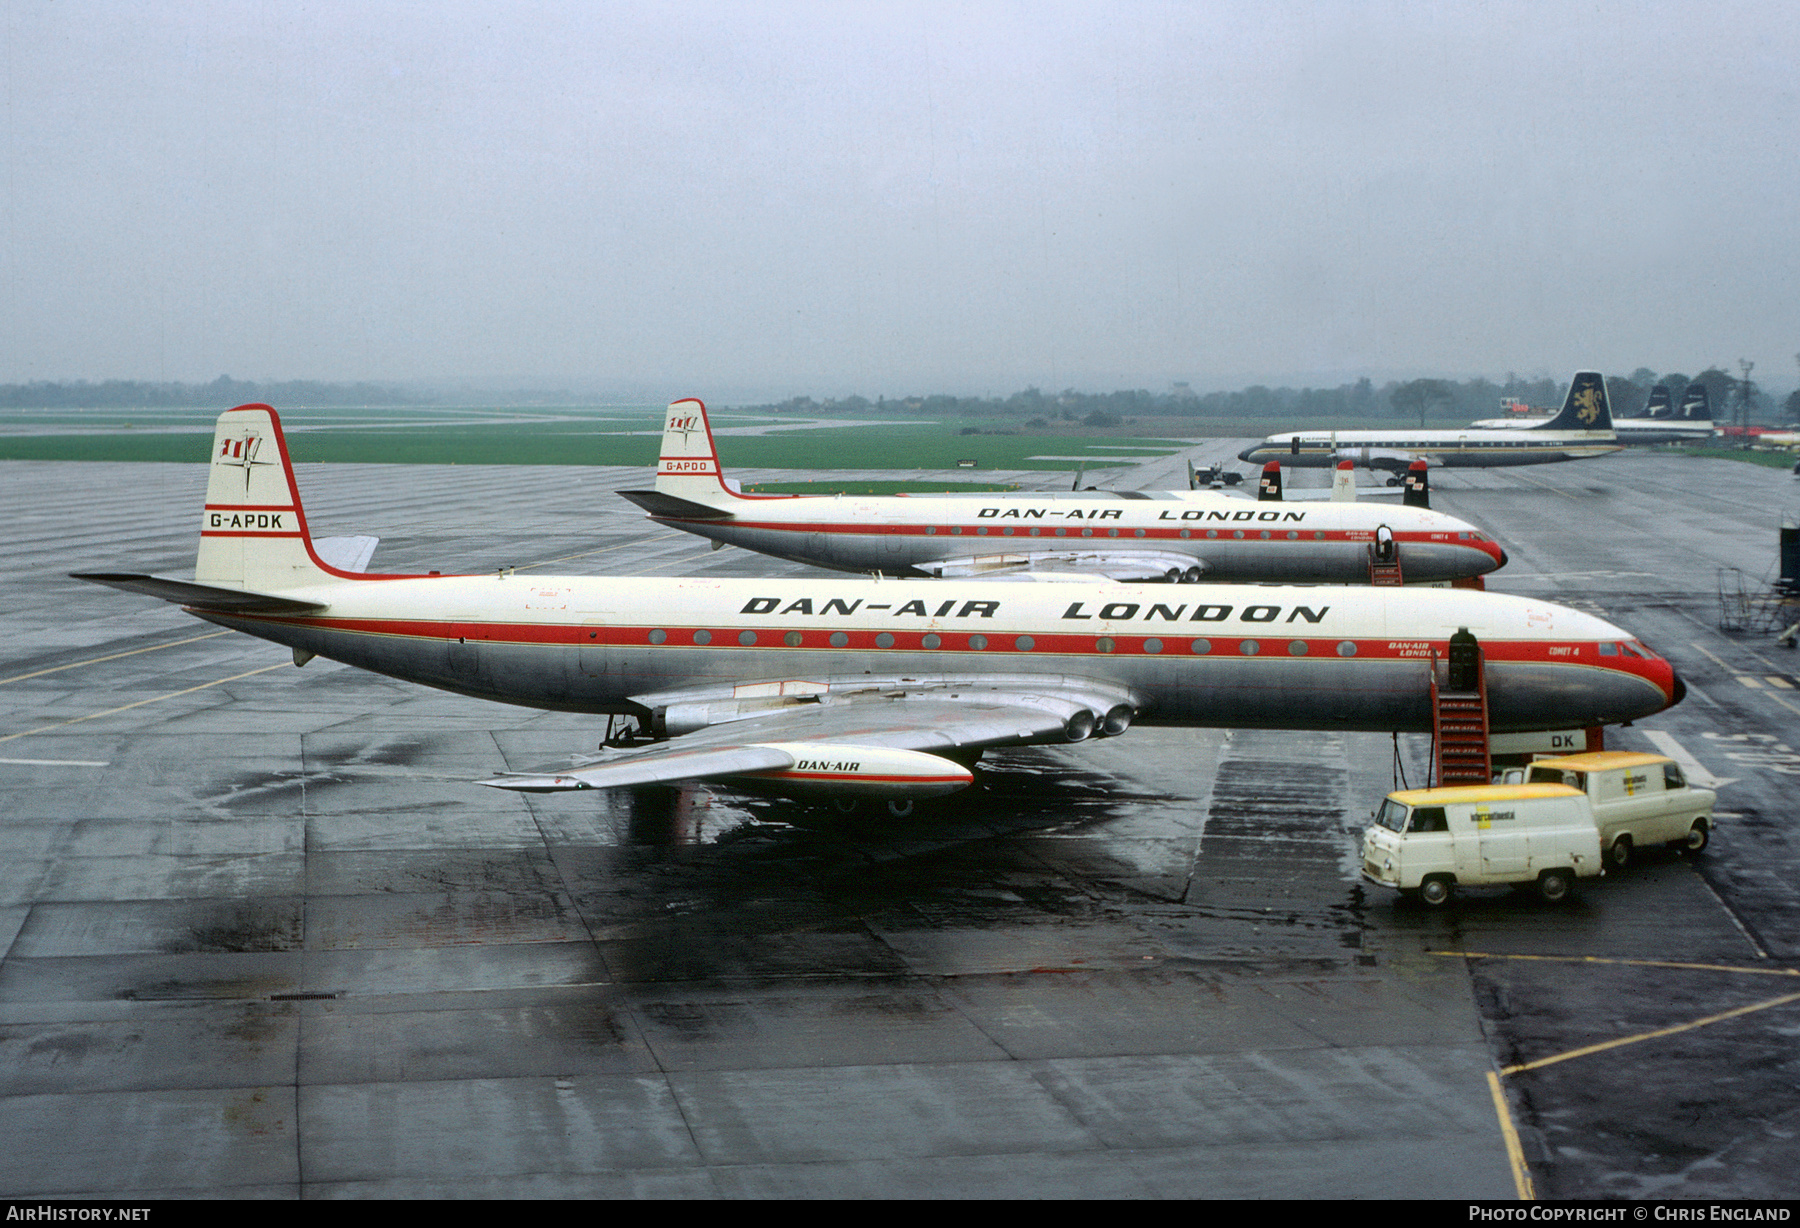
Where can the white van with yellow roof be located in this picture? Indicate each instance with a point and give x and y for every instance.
(1428, 842)
(1638, 799)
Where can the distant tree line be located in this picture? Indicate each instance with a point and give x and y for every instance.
(1418, 399)
(223, 393)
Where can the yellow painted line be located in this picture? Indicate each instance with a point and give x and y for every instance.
(140, 703)
(114, 657)
(1784, 703)
(1733, 670)
(1624, 963)
(1713, 658)
(1776, 680)
(1514, 1153)
(1643, 1036)
(1747, 680)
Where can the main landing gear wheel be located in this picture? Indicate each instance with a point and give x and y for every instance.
(1191, 576)
(900, 808)
(1435, 892)
(1554, 886)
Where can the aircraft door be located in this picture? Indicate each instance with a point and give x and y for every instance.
(595, 657)
(1385, 549)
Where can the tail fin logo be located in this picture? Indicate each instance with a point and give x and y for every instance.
(1587, 403)
(239, 452)
(686, 425)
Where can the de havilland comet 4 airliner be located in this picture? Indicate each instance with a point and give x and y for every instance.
(1583, 429)
(1177, 535)
(878, 688)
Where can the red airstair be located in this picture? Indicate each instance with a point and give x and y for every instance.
(1459, 714)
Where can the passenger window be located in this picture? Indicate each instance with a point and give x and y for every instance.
(1428, 818)
(1672, 777)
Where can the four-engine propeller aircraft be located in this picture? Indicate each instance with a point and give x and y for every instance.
(1178, 535)
(885, 689)
(1583, 429)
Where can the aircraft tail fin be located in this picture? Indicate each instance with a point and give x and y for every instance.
(1343, 482)
(1659, 405)
(1695, 405)
(1417, 492)
(253, 532)
(688, 466)
(1268, 487)
(1585, 408)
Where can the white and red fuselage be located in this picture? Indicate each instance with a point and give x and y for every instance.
(1182, 535)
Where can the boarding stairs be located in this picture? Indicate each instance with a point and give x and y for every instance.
(1459, 714)
(1384, 559)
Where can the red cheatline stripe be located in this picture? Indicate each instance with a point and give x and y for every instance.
(1125, 535)
(1225, 640)
(243, 533)
(251, 507)
(909, 780)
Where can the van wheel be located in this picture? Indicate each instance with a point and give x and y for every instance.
(1435, 892)
(1619, 855)
(1554, 886)
(1697, 836)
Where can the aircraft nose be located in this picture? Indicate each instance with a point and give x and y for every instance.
(1248, 455)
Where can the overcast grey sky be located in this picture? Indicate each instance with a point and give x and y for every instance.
(737, 199)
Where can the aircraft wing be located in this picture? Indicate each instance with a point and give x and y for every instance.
(888, 740)
(1122, 565)
(1382, 458)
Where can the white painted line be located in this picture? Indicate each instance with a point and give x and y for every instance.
(54, 669)
(63, 762)
(1750, 682)
(76, 720)
(1691, 767)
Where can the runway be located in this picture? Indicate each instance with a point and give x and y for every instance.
(262, 937)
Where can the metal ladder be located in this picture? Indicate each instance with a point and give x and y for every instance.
(1459, 714)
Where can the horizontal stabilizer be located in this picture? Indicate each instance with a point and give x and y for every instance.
(674, 506)
(201, 596)
(346, 553)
